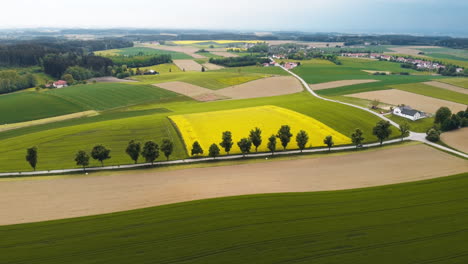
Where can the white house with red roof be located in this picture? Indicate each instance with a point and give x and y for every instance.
(60, 84)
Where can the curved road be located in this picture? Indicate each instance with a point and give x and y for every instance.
(421, 137)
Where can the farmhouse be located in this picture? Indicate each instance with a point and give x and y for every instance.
(408, 112)
(60, 84)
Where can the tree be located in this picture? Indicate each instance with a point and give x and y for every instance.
(133, 150)
(357, 137)
(451, 123)
(382, 130)
(433, 134)
(214, 151)
(442, 114)
(196, 148)
(68, 78)
(82, 159)
(284, 134)
(31, 157)
(404, 130)
(329, 142)
(203, 69)
(226, 142)
(150, 151)
(256, 137)
(167, 147)
(272, 144)
(375, 103)
(244, 144)
(302, 138)
(100, 153)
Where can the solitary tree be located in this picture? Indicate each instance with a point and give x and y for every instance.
(244, 144)
(404, 130)
(167, 147)
(203, 69)
(442, 114)
(256, 137)
(196, 148)
(100, 153)
(357, 138)
(382, 130)
(133, 150)
(329, 142)
(214, 151)
(82, 159)
(433, 134)
(284, 134)
(272, 144)
(150, 151)
(31, 157)
(302, 138)
(226, 142)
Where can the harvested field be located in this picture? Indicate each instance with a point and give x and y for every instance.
(457, 139)
(211, 66)
(420, 102)
(47, 120)
(29, 200)
(410, 50)
(447, 86)
(196, 92)
(109, 79)
(335, 84)
(265, 87)
(224, 54)
(188, 65)
(191, 51)
(271, 86)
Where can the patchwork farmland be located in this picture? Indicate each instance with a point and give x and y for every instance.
(122, 178)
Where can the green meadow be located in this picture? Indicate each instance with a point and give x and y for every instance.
(134, 51)
(58, 142)
(461, 82)
(418, 222)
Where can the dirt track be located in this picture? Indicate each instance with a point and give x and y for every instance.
(39, 199)
(416, 101)
(457, 139)
(265, 87)
(335, 84)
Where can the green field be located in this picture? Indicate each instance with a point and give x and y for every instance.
(211, 79)
(446, 53)
(57, 143)
(143, 50)
(420, 126)
(162, 68)
(26, 106)
(419, 222)
(460, 82)
(431, 91)
(256, 69)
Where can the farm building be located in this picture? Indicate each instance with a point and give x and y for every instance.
(60, 84)
(408, 112)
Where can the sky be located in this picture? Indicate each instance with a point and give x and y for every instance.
(345, 16)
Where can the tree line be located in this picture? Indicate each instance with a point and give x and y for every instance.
(445, 120)
(150, 150)
(239, 61)
(11, 80)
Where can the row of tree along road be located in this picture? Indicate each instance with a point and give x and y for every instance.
(150, 150)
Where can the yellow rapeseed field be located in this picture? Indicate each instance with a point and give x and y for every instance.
(189, 42)
(206, 128)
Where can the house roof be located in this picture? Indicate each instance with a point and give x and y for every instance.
(60, 82)
(406, 110)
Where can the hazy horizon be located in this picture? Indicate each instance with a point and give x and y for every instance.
(425, 17)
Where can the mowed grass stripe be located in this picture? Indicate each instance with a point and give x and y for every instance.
(407, 223)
